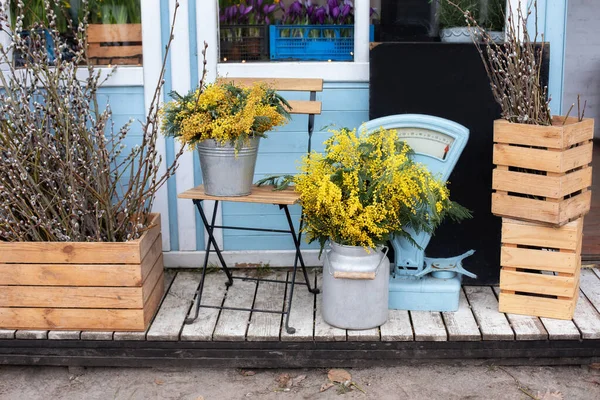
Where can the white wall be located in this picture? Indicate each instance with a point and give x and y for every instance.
(582, 64)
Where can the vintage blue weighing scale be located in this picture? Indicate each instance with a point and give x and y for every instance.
(417, 282)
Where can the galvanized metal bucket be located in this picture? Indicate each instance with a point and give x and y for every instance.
(226, 173)
(355, 287)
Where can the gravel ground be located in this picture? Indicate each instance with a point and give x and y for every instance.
(404, 382)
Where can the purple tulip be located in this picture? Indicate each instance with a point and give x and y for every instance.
(320, 15)
(346, 10)
(335, 12)
(269, 8)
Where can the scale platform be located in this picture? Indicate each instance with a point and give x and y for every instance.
(417, 282)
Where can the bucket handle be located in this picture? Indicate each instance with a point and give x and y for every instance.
(356, 275)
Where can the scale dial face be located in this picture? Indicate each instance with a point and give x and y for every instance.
(426, 141)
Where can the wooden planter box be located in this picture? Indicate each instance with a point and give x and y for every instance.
(543, 173)
(110, 44)
(540, 268)
(82, 286)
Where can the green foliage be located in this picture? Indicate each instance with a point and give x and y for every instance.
(450, 16)
(495, 15)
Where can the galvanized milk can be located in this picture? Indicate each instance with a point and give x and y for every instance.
(355, 287)
(225, 172)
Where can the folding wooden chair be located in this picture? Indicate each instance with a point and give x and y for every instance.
(261, 195)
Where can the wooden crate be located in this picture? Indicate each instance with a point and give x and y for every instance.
(110, 44)
(540, 268)
(82, 286)
(543, 173)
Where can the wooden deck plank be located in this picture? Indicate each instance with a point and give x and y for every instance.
(323, 331)
(559, 329)
(31, 334)
(492, 324)
(587, 318)
(169, 320)
(461, 325)
(232, 325)
(7, 333)
(303, 311)
(213, 294)
(525, 327)
(64, 335)
(397, 328)
(589, 283)
(169, 277)
(269, 296)
(97, 335)
(428, 326)
(363, 335)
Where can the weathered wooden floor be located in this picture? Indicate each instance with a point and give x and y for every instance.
(238, 338)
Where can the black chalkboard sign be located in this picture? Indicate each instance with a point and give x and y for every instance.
(448, 80)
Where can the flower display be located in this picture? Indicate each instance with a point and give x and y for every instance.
(224, 112)
(366, 188)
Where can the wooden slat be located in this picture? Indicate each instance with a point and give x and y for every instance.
(70, 297)
(538, 306)
(525, 327)
(461, 325)
(106, 33)
(97, 51)
(323, 331)
(283, 84)
(568, 237)
(575, 206)
(542, 160)
(587, 318)
(155, 275)
(397, 328)
(151, 305)
(175, 307)
(541, 185)
(590, 286)
(72, 318)
(71, 274)
(539, 260)
(303, 311)
(64, 335)
(7, 333)
(169, 276)
(31, 334)
(305, 107)
(492, 324)
(213, 294)
(269, 296)
(99, 335)
(428, 326)
(363, 335)
(551, 212)
(528, 282)
(232, 325)
(260, 194)
(131, 252)
(558, 136)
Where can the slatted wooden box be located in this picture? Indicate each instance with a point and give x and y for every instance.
(82, 286)
(543, 173)
(540, 268)
(115, 44)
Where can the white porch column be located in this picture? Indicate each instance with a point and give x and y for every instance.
(361, 30)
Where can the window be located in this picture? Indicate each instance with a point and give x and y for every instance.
(114, 31)
(286, 30)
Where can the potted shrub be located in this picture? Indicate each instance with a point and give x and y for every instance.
(542, 161)
(225, 123)
(541, 179)
(454, 27)
(363, 190)
(80, 248)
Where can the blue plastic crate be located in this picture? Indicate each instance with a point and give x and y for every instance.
(313, 42)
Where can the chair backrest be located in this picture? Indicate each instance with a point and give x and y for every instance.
(438, 144)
